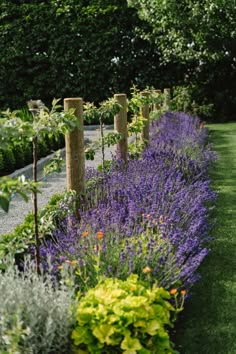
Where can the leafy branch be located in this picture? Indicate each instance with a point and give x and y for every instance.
(21, 125)
(103, 113)
(11, 186)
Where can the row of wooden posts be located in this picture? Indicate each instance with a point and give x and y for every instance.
(75, 152)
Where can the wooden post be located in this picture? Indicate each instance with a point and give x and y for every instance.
(145, 114)
(157, 106)
(75, 157)
(120, 126)
(167, 98)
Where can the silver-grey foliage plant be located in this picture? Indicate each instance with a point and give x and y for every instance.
(36, 314)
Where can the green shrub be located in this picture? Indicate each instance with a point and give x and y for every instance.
(123, 316)
(36, 315)
(59, 142)
(183, 101)
(1, 163)
(18, 242)
(9, 160)
(19, 155)
(43, 149)
(22, 155)
(28, 153)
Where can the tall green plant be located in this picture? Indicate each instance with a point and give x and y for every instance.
(10, 186)
(137, 100)
(19, 125)
(103, 113)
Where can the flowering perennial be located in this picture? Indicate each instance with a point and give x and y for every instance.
(149, 214)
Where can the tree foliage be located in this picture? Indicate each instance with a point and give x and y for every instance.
(65, 48)
(200, 34)
(191, 30)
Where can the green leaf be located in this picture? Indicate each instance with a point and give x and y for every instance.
(81, 335)
(152, 327)
(4, 202)
(130, 345)
(104, 332)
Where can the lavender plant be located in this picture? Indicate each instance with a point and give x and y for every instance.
(153, 213)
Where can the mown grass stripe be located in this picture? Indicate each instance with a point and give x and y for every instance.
(208, 324)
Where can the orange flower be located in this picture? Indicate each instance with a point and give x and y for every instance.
(183, 292)
(60, 267)
(73, 263)
(146, 270)
(97, 248)
(84, 234)
(100, 235)
(173, 291)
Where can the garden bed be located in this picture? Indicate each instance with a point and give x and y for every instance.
(148, 217)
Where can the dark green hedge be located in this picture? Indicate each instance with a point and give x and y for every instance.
(93, 49)
(64, 48)
(21, 155)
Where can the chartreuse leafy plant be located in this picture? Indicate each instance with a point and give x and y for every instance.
(123, 317)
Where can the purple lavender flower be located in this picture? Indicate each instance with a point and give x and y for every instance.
(153, 211)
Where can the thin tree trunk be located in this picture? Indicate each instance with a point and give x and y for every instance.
(103, 154)
(120, 126)
(102, 139)
(145, 114)
(35, 206)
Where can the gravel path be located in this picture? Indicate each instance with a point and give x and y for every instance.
(55, 183)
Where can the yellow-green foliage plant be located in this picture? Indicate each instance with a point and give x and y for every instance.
(123, 317)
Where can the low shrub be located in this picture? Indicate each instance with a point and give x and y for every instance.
(20, 241)
(50, 218)
(21, 155)
(36, 314)
(1, 162)
(123, 316)
(9, 160)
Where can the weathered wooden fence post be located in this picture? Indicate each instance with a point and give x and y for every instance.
(120, 126)
(145, 114)
(167, 98)
(75, 157)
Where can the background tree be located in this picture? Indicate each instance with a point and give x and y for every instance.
(202, 36)
(66, 48)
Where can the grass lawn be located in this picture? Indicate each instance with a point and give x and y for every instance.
(208, 325)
